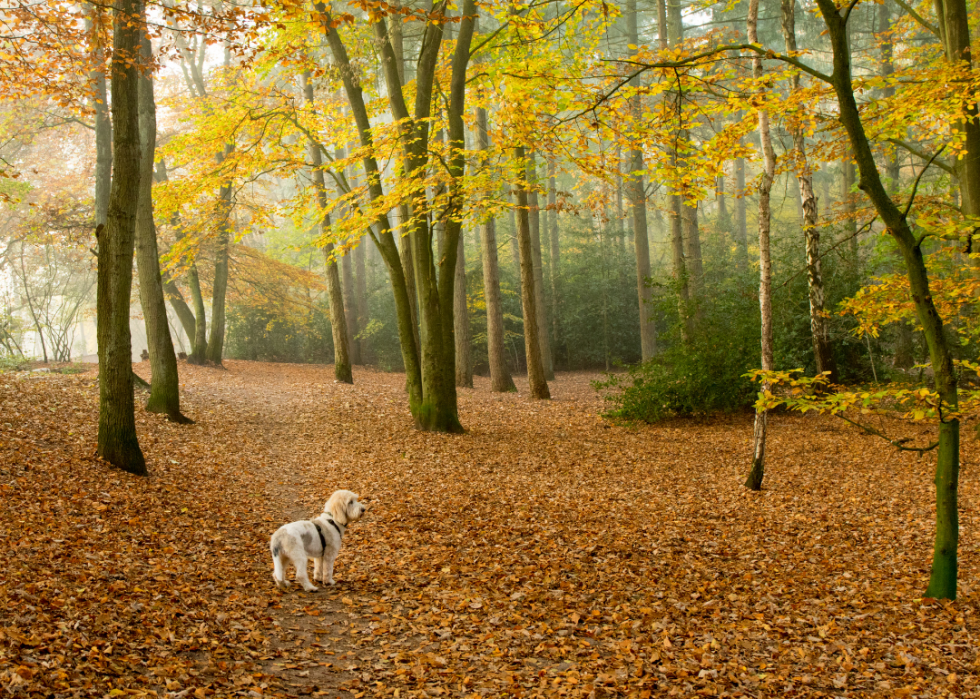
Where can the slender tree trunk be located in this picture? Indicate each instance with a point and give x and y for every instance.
(850, 215)
(461, 322)
(350, 308)
(164, 386)
(537, 384)
(103, 124)
(216, 340)
(942, 582)
(514, 247)
(534, 219)
(741, 226)
(670, 30)
(360, 296)
(724, 222)
(407, 329)
(819, 334)
(954, 27)
(117, 441)
(754, 481)
(692, 248)
(636, 194)
(338, 323)
(194, 322)
(500, 379)
(554, 262)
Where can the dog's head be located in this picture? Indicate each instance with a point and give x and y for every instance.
(344, 507)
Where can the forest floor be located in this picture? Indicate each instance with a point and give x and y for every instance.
(547, 552)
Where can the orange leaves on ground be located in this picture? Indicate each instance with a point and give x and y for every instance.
(544, 553)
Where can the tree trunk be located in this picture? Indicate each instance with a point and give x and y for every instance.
(360, 296)
(954, 26)
(554, 261)
(741, 226)
(537, 384)
(670, 30)
(724, 223)
(500, 379)
(103, 125)
(194, 322)
(636, 195)
(514, 247)
(942, 582)
(534, 220)
(850, 215)
(407, 329)
(822, 353)
(164, 386)
(461, 322)
(117, 441)
(338, 323)
(216, 340)
(692, 248)
(350, 308)
(754, 481)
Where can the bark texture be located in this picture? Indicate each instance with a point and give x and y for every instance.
(537, 384)
(501, 380)
(756, 474)
(819, 332)
(117, 441)
(461, 322)
(636, 195)
(338, 322)
(164, 386)
(534, 220)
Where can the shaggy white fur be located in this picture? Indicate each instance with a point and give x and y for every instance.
(319, 539)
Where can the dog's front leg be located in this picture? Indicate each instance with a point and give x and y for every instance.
(328, 570)
(318, 569)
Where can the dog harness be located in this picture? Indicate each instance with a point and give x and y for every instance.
(323, 540)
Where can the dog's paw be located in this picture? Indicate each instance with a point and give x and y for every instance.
(311, 588)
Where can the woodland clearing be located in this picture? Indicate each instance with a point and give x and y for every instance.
(547, 552)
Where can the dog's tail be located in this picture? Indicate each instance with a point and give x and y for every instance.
(278, 569)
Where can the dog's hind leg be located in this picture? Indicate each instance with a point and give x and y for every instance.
(279, 573)
(302, 578)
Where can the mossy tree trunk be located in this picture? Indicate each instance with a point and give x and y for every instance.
(117, 440)
(164, 386)
(942, 582)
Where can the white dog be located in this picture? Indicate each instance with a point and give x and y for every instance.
(319, 539)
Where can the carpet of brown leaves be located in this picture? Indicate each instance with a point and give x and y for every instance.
(545, 553)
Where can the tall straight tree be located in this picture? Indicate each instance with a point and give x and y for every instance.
(500, 379)
(117, 442)
(431, 367)
(537, 383)
(534, 220)
(461, 322)
(554, 259)
(822, 352)
(338, 322)
(636, 195)
(756, 474)
(164, 386)
(668, 28)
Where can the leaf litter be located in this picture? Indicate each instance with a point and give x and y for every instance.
(547, 552)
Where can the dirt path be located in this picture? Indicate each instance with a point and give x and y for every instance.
(544, 553)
